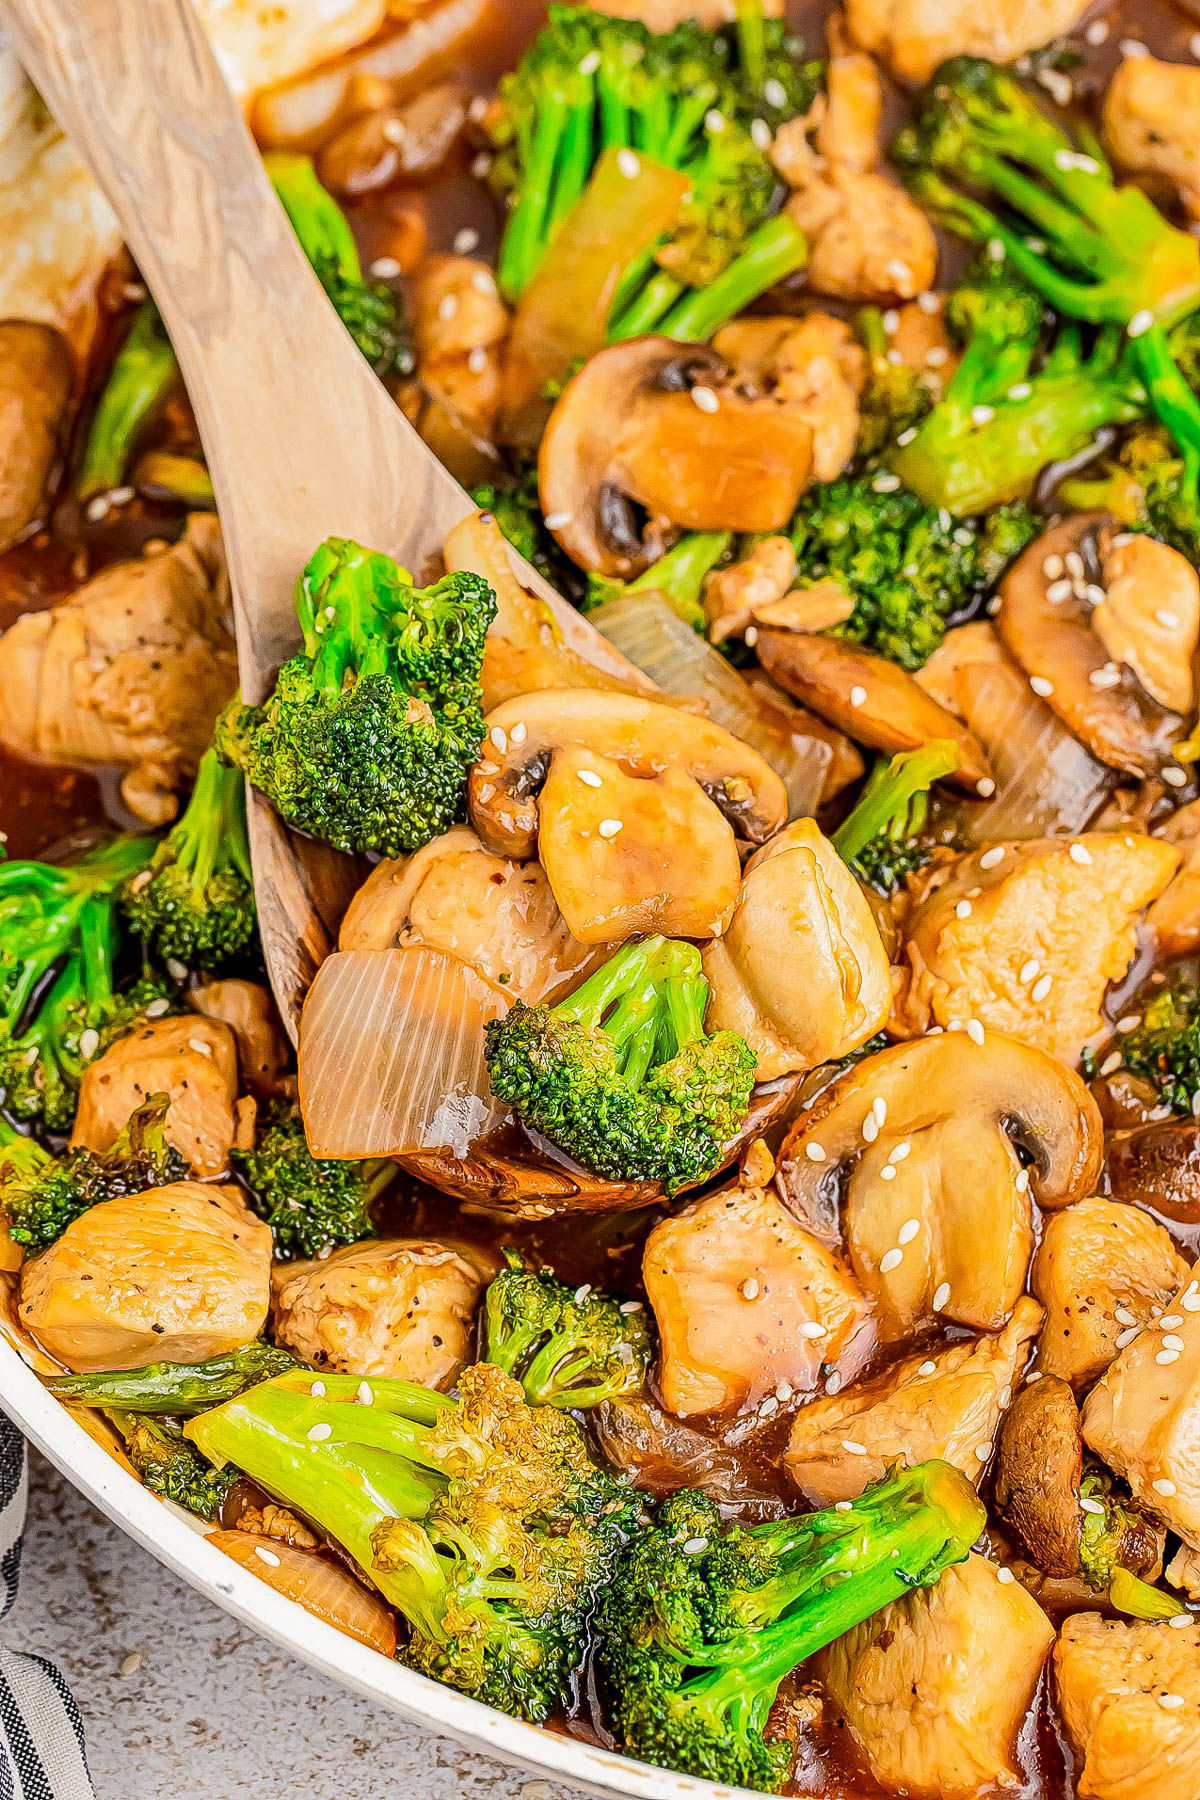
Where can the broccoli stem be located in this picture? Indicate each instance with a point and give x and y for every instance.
(776, 250)
(890, 792)
(752, 43)
(178, 1389)
(1171, 398)
(212, 830)
(313, 214)
(679, 576)
(139, 381)
(645, 312)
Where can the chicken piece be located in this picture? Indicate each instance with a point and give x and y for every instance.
(1129, 1695)
(1100, 1269)
(1150, 616)
(914, 36)
(401, 1307)
(814, 367)
(176, 1274)
(935, 1688)
(801, 972)
(745, 1300)
(1183, 1571)
(194, 1061)
(1174, 919)
(731, 595)
(263, 1052)
(459, 327)
(1143, 1415)
(868, 239)
(36, 373)
(132, 670)
(1026, 937)
(948, 1405)
(1150, 123)
(966, 647)
(456, 896)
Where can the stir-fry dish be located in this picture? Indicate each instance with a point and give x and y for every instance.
(716, 1275)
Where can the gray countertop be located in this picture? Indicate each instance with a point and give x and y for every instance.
(181, 1700)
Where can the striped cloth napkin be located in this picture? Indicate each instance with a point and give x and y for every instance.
(42, 1754)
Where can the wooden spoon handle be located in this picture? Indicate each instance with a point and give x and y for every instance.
(136, 86)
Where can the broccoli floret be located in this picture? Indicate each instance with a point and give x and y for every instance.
(142, 375)
(567, 1347)
(776, 81)
(896, 397)
(482, 1519)
(1010, 407)
(621, 1075)
(679, 577)
(171, 1467)
(60, 1003)
(195, 903)
(700, 1624)
(590, 84)
(1143, 485)
(908, 567)
(174, 1390)
(311, 1204)
(884, 838)
(1096, 251)
(43, 1194)
(368, 737)
(1165, 1047)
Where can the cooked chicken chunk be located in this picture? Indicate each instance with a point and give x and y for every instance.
(1150, 615)
(935, 1688)
(801, 972)
(194, 1061)
(1117, 1688)
(459, 327)
(36, 373)
(1099, 1270)
(132, 670)
(1174, 919)
(1143, 1415)
(1150, 114)
(733, 595)
(868, 239)
(813, 366)
(948, 1405)
(745, 1300)
(176, 1274)
(397, 1306)
(456, 896)
(914, 36)
(1026, 937)
(247, 1008)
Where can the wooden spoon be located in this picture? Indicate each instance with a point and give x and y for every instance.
(300, 437)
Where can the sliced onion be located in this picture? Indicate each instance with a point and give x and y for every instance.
(391, 1054)
(646, 628)
(314, 1582)
(1047, 784)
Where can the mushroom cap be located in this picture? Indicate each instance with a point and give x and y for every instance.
(644, 736)
(1055, 645)
(1157, 1166)
(1039, 1465)
(826, 673)
(1031, 1098)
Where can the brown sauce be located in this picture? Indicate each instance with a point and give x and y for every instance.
(41, 807)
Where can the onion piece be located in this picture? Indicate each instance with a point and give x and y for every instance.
(314, 1582)
(391, 1054)
(647, 629)
(1047, 783)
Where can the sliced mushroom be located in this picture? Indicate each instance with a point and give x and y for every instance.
(872, 699)
(645, 737)
(1048, 628)
(629, 431)
(1039, 1465)
(1149, 618)
(801, 972)
(921, 1140)
(1157, 1166)
(36, 373)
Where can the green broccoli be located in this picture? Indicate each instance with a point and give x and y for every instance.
(896, 397)
(567, 1347)
(42, 1194)
(884, 838)
(173, 1468)
(174, 1390)
(1164, 1048)
(1010, 407)
(369, 734)
(908, 567)
(195, 903)
(481, 1518)
(589, 84)
(312, 1205)
(142, 375)
(679, 577)
(1142, 483)
(701, 1624)
(61, 1003)
(1098, 252)
(621, 1075)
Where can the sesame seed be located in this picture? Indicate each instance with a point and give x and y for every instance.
(1090, 1506)
(714, 120)
(133, 1662)
(318, 1433)
(975, 1031)
(814, 1152)
(364, 1395)
(1174, 777)
(890, 1261)
(481, 167)
(1005, 1575)
(518, 733)
(1190, 1302)
(1041, 687)
(927, 1368)
(870, 1128)
(858, 696)
(1079, 853)
(1194, 44)
(834, 1384)
(1170, 1702)
(879, 1108)
(853, 1448)
(1132, 47)
(89, 1042)
(1052, 567)
(983, 1451)
(1123, 1316)
(97, 509)
(963, 910)
(318, 1389)
(1172, 1341)
(1167, 619)
(991, 858)
(267, 1556)
(157, 1008)
(1171, 1322)
(843, 1505)
(812, 1328)
(938, 357)
(477, 360)
(1040, 989)
(1130, 1022)
(907, 437)
(1166, 1357)
(608, 828)
(1020, 390)
(465, 241)
(1165, 1487)
(628, 164)
(1096, 33)
(590, 63)
(384, 268)
(982, 415)
(774, 93)
(995, 250)
(887, 1173)
(558, 521)
(694, 1546)
(448, 306)
(940, 1296)
(588, 777)
(900, 1152)
(1028, 971)
(891, 321)
(886, 484)
(631, 1306)
(749, 1288)
(1185, 1617)
(705, 399)
(499, 737)
(760, 134)
(1140, 323)
(908, 1231)
(1022, 1181)
(1058, 591)
(1058, 86)
(985, 787)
